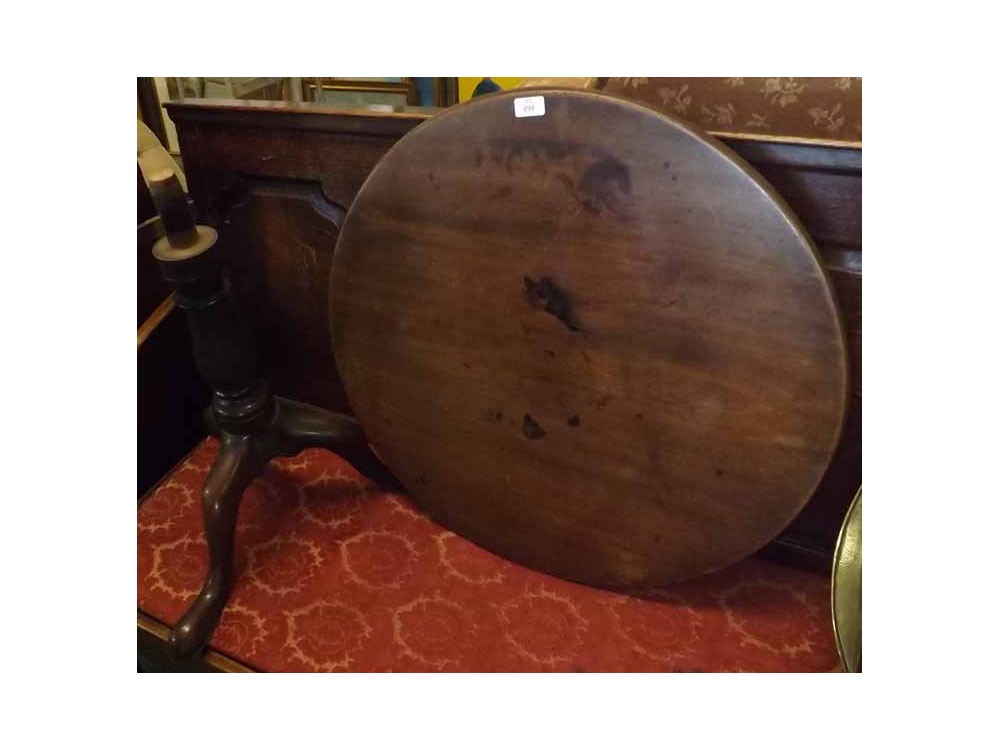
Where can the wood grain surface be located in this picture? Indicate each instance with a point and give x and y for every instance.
(594, 341)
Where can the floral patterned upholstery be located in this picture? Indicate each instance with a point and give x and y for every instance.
(821, 108)
(334, 574)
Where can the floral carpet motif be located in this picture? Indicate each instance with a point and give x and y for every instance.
(334, 574)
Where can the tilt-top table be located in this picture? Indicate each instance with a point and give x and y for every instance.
(588, 337)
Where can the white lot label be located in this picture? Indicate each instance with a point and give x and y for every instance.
(529, 106)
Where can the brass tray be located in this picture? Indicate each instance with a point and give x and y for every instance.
(845, 589)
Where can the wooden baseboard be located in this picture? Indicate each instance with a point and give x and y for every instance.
(153, 657)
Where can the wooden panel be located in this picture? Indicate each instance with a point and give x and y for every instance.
(280, 239)
(848, 286)
(339, 162)
(827, 202)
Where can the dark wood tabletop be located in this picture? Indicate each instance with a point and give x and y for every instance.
(593, 341)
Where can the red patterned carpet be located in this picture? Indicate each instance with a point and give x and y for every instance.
(333, 575)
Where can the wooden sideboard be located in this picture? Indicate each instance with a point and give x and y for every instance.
(279, 177)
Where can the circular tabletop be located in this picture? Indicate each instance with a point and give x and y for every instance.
(588, 337)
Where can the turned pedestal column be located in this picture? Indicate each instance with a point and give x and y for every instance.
(252, 425)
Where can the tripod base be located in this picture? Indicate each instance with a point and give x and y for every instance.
(280, 428)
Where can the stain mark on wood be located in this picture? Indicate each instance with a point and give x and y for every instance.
(604, 186)
(597, 188)
(574, 421)
(545, 295)
(534, 154)
(531, 429)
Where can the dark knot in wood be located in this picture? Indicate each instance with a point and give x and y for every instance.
(546, 296)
